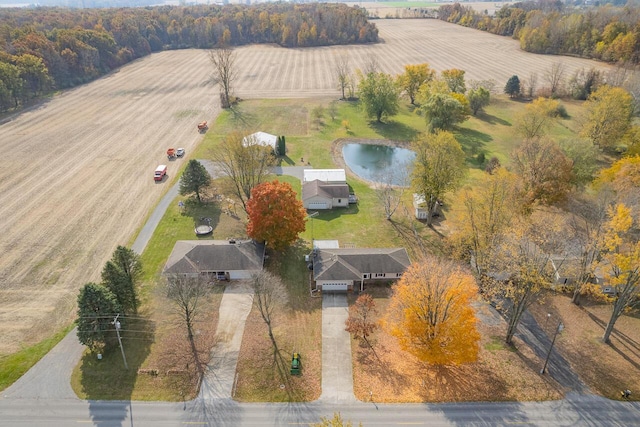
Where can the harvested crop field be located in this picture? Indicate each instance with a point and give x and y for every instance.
(77, 169)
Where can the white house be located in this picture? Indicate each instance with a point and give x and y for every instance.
(342, 269)
(321, 195)
(335, 176)
(215, 259)
(261, 138)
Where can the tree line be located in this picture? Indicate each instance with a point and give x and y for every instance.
(50, 48)
(607, 33)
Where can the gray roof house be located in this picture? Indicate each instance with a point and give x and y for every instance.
(341, 269)
(216, 259)
(318, 194)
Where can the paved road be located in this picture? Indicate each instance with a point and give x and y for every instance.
(573, 411)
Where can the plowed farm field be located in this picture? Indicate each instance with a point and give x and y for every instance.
(76, 172)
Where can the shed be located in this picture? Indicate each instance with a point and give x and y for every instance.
(261, 138)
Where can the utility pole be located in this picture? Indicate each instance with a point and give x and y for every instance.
(116, 323)
(316, 213)
(558, 330)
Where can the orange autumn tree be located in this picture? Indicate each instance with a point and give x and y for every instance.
(430, 313)
(276, 216)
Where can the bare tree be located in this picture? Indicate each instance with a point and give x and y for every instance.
(188, 295)
(390, 187)
(531, 85)
(585, 239)
(371, 66)
(525, 257)
(555, 77)
(343, 74)
(245, 162)
(224, 63)
(269, 294)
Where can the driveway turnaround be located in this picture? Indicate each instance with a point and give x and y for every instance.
(235, 306)
(337, 374)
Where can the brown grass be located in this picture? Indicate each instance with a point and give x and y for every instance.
(605, 368)
(295, 331)
(501, 373)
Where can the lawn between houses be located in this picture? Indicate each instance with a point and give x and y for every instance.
(298, 326)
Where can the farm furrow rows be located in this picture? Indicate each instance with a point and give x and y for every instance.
(76, 179)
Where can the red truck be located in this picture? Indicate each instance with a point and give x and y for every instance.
(160, 173)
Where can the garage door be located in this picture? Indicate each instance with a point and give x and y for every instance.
(334, 287)
(317, 206)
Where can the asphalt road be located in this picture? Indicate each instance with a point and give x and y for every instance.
(574, 411)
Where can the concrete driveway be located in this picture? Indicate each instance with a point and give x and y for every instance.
(337, 374)
(234, 309)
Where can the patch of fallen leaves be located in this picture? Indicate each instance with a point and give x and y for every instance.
(605, 368)
(263, 379)
(385, 373)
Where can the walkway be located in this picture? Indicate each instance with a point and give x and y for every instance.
(337, 373)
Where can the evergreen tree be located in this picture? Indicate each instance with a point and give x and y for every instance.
(120, 276)
(97, 306)
(512, 88)
(194, 179)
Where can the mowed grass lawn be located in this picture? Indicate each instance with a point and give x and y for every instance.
(309, 142)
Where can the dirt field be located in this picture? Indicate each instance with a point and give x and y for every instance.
(76, 177)
(382, 10)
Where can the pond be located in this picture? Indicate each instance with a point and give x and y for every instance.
(379, 163)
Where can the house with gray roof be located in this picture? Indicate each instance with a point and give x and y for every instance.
(342, 269)
(216, 259)
(318, 194)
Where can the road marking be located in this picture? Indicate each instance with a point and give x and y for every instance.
(200, 423)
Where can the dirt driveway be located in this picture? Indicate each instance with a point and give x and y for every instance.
(76, 174)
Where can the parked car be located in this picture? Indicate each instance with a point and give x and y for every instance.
(180, 152)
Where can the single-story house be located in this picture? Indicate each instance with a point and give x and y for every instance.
(329, 176)
(317, 194)
(261, 138)
(342, 269)
(216, 259)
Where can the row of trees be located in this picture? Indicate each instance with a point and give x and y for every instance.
(443, 100)
(43, 49)
(99, 304)
(607, 33)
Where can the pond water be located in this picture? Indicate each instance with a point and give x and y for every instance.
(379, 163)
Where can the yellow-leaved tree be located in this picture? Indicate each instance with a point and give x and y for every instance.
(621, 264)
(430, 312)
